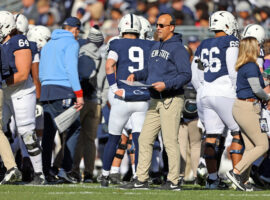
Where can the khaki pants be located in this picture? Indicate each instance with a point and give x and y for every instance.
(247, 116)
(85, 147)
(164, 115)
(5, 149)
(190, 138)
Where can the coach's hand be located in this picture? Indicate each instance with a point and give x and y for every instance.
(131, 77)
(79, 103)
(159, 86)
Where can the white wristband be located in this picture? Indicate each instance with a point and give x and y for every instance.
(114, 87)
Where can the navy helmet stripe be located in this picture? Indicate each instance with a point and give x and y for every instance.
(131, 16)
(17, 17)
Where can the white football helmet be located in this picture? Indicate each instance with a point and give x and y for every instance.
(129, 23)
(39, 34)
(21, 23)
(146, 29)
(223, 21)
(7, 24)
(254, 30)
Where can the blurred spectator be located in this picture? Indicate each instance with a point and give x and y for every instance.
(116, 14)
(80, 13)
(226, 5)
(120, 4)
(266, 48)
(193, 43)
(164, 6)
(179, 17)
(48, 16)
(152, 12)
(178, 5)
(200, 8)
(141, 7)
(96, 10)
(30, 10)
(244, 13)
(203, 21)
(265, 16)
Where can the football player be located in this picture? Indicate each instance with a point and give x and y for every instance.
(38, 36)
(217, 57)
(126, 139)
(129, 54)
(19, 90)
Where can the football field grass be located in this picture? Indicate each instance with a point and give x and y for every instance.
(94, 191)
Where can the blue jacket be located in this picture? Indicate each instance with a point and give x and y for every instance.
(169, 63)
(59, 66)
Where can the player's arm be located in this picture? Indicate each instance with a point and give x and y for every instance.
(34, 70)
(197, 74)
(110, 72)
(23, 61)
(231, 58)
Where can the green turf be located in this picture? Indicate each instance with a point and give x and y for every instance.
(93, 191)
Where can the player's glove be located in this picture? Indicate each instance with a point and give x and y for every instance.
(39, 110)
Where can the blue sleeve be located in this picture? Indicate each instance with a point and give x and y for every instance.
(71, 65)
(113, 45)
(182, 63)
(252, 70)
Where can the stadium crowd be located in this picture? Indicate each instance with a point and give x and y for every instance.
(142, 105)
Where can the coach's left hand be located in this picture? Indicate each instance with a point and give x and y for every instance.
(159, 86)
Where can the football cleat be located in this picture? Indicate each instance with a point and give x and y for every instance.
(201, 174)
(170, 186)
(39, 179)
(115, 178)
(136, 184)
(104, 181)
(12, 175)
(236, 179)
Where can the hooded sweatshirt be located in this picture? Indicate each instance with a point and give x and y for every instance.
(58, 67)
(88, 67)
(168, 63)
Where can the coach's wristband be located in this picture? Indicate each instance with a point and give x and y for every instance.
(79, 93)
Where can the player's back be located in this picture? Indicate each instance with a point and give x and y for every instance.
(212, 53)
(15, 43)
(132, 54)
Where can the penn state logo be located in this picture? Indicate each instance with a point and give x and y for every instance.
(138, 92)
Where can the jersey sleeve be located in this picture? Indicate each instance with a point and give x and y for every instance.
(19, 42)
(113, 45)
(35, 52)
